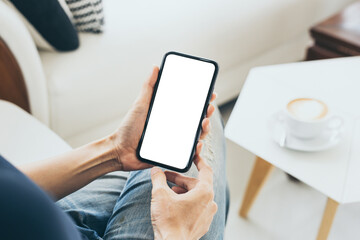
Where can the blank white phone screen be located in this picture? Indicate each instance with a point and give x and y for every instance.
(177, 110)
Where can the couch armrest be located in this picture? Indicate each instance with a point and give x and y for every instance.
(24, 139)
(24, 67)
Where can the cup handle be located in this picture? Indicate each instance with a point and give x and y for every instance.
(335, 123)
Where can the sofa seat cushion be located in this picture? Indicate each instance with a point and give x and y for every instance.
(98, 82)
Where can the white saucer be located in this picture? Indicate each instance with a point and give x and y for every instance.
(325, 141)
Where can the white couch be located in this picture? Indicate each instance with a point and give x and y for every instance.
(24, 139)
(83, 95)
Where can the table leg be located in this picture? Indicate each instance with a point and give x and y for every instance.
(328, 217)
(260, 172)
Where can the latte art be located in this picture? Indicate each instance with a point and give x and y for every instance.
(307, 109)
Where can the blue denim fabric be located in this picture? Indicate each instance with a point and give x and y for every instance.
(113, 207)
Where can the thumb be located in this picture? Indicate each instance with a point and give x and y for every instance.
(158, 178)
(149, 84)
(153, 77)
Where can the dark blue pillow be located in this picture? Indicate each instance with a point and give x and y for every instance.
(51, 21)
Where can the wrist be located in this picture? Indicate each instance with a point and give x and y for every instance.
(117, 150)
(175, 234)
(106, 154)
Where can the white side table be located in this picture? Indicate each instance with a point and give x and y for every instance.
(334, 172)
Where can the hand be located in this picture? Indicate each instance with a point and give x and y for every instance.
(185, 211)
(127, 137)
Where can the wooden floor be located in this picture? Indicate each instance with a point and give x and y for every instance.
(283, 210)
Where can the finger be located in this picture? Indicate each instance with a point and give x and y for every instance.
(205, 127)
(158, 179)
(200, 163)
(205, 171)
(210, 111)
(198, 148)
(153, 77)
(179, 190)
(149, 84)
(182, 181)
(213, 97)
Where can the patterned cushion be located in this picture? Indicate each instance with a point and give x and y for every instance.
(88, 15)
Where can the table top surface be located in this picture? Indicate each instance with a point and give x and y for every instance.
(334, 172)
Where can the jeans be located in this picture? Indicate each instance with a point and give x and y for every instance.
(117, 206)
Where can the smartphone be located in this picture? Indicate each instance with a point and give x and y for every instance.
(179, 104)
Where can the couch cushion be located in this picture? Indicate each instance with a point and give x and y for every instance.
(98, 82)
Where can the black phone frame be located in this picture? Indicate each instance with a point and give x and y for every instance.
(198, 131)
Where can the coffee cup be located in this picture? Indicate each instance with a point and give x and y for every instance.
(307, 118)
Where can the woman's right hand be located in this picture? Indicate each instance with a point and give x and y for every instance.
(126, 138)
(186, 210)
